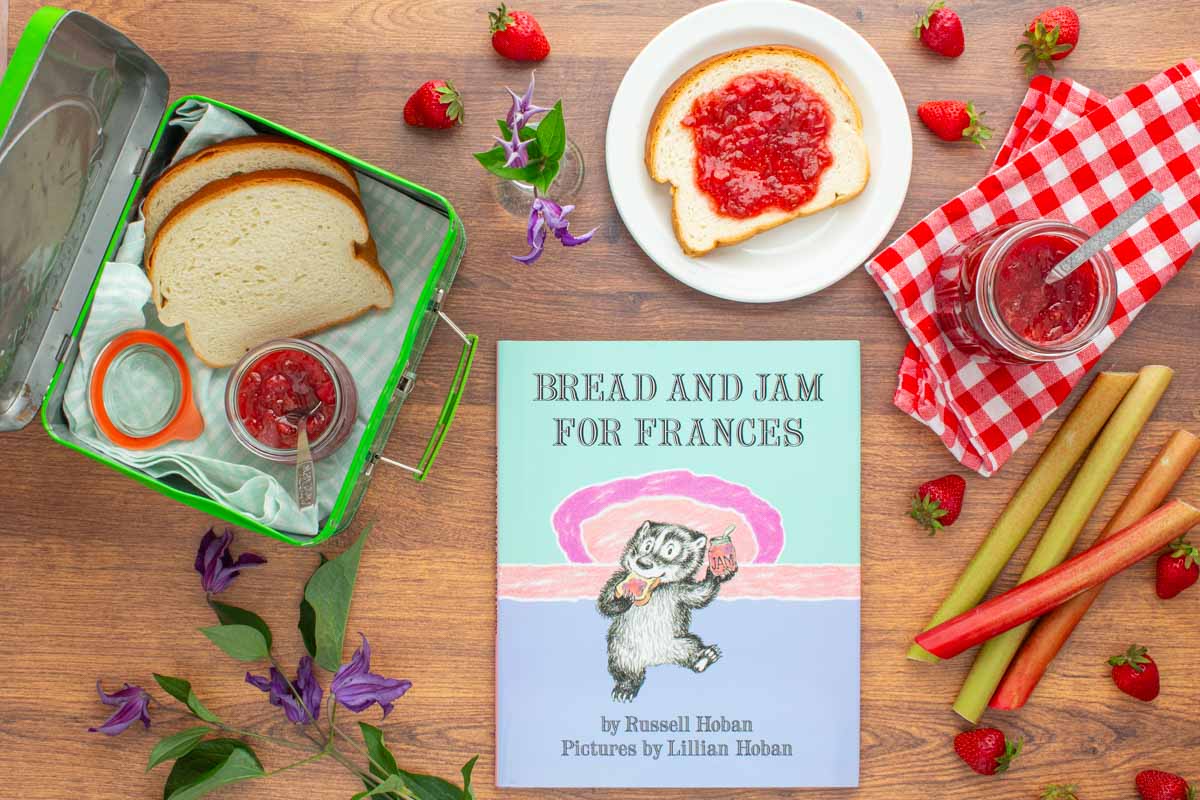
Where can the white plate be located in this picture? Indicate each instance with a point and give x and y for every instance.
(802, 256)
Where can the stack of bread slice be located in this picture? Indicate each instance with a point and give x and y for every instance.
(259, 238)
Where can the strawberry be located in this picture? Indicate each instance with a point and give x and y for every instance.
(517, 35)
(953, 120)
(1061, 791)
(1135, 673)
(436, 104)
(941, 30)
(986, 751)
(1177, 569)
(938, 502)
(1051, 37)
(1153, 784)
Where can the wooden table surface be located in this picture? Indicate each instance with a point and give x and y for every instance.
(96, 575)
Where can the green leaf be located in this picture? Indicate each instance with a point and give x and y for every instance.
(552, 133)
(232, 615)
(211, 765)
(308, 616)
(430, 787)
(546, 177)
(379, 752)
(493, 161)
(467, 769)
(176, 745)
(238, 641)
(393, 783)
(181, 690)
(330, 591)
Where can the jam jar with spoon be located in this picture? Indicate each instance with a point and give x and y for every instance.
(993, 300)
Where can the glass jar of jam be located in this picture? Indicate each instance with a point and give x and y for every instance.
(722, 558)
(992, 299)
(271, 388)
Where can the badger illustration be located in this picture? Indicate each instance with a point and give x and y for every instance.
(650, 600)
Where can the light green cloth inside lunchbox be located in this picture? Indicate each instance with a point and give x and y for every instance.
(408, 236)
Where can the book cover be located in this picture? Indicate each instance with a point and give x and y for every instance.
(678, 564)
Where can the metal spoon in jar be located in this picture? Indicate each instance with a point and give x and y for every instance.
(1104, 236)
(306, 473)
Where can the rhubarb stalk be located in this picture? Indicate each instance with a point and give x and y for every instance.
(1031, 497)
(1064, 528)
(1092, 567)
(1053, 631)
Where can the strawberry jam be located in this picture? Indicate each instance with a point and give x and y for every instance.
(282, 381)
(991, 298)
(761, 143)
(1039, 312)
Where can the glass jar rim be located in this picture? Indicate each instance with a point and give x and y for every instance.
(329, 362)
(998, 328)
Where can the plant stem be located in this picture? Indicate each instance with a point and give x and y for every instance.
(300, 763)
(1090, 568)
(221, 726)
(361, 750)
(1055, 629)
(1034, 493)
(1069, 519)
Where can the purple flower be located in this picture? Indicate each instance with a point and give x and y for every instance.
(280, 695)
(546, 215)
(355, 687)
(132, 704)
(523, 109)
(216, 566)
(517, 150)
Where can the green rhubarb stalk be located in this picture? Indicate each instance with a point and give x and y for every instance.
(1054, 587)
(1031, 497)
(1054, 629)
(1064, 528)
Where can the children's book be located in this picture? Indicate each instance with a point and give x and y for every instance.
(678, 564)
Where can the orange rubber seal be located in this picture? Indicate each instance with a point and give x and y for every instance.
(187, 423)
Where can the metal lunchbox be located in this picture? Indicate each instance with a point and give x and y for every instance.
(83, 131)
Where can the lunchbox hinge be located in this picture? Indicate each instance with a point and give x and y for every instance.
(436, 305)
(64, 347)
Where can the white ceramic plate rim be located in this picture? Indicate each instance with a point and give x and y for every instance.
(762, 269)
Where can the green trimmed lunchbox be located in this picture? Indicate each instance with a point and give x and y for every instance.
(84, 129)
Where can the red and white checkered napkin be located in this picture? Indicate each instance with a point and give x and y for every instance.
(1071, 155)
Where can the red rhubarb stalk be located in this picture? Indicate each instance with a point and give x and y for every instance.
(1053, 631)
(1051, 589)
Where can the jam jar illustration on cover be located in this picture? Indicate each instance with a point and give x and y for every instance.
(722, 558)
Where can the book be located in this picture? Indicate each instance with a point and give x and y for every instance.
(677, 564)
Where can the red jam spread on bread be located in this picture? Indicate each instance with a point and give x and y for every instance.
(637, 589)
(283, 381)
(761, 143)
(1039, 312)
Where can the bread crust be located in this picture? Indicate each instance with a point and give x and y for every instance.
(366, 250)
(237, 144)
(671, 95)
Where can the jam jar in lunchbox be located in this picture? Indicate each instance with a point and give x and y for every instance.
(284, 379)
(992, 299)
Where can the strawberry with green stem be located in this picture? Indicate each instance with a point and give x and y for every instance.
(435, 104)
(941, 30)
(1051, 37)
(517, 35)
(986, 750)
(1135, 673)
(1061, 791)
(938, 503)
(1177, 569)
(952, 120)
(1153, 784)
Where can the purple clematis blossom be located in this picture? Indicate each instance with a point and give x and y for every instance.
(280, 694)
(517, 150)
(547, 215)
(216, 566)
(523, 109)
(132, 704)
(357, 688)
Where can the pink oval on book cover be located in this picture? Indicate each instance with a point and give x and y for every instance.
(594, 523)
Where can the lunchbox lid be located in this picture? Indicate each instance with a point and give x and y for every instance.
(79, 106)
